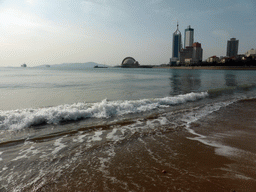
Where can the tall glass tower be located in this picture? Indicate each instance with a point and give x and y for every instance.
(176, 44)
(232, 47)
(189, 37)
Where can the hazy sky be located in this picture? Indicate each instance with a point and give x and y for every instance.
(39, 32)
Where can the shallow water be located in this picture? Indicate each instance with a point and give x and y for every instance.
(58, 124)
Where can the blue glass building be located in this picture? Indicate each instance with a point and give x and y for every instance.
(176, 44)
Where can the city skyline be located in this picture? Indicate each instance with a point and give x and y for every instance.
(106, 31)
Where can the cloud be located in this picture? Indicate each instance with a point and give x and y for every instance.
(25, 29)
(14, 20)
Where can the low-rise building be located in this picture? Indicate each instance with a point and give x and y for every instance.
(250, 53)
(213, 59)
(186, 53)
(192, 54)
(240, 57)
(224, 59)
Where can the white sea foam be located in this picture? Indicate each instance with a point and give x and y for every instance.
(5, 168)
(28, 152)
(112, 136)
(80, 138)
(58, 145)
(206, 110)
(19, 119)
(97, 135)
(220, 148)
(159, 120)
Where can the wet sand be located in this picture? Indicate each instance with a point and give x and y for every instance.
(231, 131)
(221, 157)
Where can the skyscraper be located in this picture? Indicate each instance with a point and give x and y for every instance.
(176, 44)
(232, 47)
(197, 52)
(188, 37)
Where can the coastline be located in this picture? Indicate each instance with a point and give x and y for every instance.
(68, 130)
(176, 160)
(210, 67)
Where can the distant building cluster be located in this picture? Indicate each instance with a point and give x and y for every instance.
(232, 54)
(192, 51)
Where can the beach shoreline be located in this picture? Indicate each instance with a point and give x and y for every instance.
(214, 158)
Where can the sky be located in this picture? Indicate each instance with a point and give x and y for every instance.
(38, 32)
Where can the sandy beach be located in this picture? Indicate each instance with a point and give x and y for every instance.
(219, 156)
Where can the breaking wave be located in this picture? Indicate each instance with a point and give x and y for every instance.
(24, 118)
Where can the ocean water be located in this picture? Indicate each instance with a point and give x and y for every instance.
(59, 122)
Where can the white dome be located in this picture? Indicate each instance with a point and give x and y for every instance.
(128, 62)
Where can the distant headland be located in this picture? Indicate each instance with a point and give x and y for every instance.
(74, 65)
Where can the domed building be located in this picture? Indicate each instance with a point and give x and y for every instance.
(251, 52)
(129, 62)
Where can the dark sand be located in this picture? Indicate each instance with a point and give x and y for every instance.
(171, 161)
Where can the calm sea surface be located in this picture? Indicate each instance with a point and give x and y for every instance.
(52, 120)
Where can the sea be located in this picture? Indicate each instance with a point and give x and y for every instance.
(76, 129)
